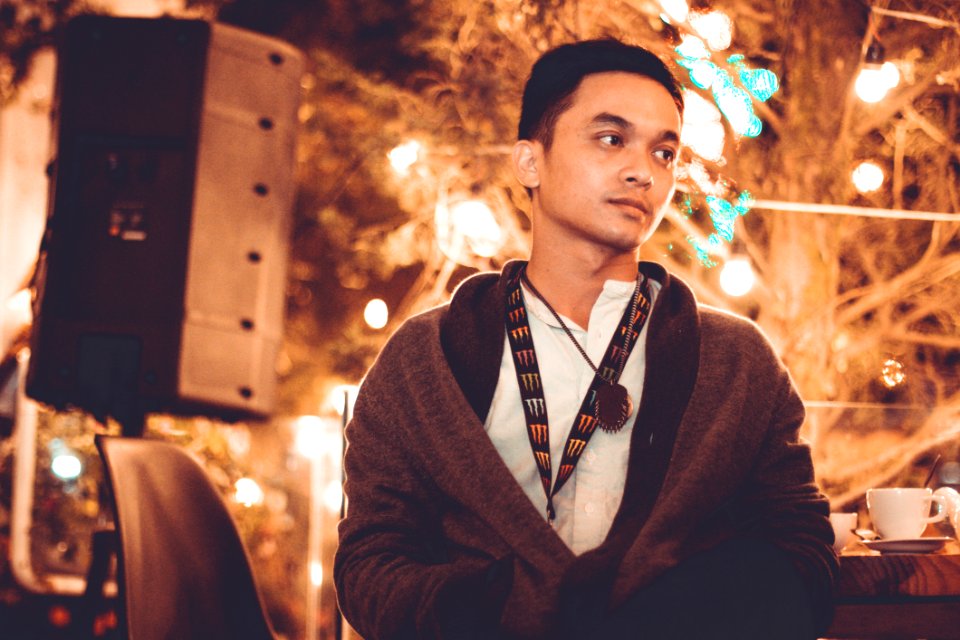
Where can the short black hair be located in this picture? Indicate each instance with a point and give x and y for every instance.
(557, 74)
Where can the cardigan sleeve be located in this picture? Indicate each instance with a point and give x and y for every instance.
(395, 576)
(785, 506)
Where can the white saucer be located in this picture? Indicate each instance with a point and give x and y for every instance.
(907, 545)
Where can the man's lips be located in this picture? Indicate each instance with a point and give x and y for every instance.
(633, 203)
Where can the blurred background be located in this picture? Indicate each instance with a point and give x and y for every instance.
(819, 196)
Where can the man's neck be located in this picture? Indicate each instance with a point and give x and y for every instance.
(572, 284)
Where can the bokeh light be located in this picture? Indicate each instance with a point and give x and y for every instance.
(247, 492)
(333, 496)
(737, 277)
(309, 438)
(692, 47)
(316, 573)
(676, 10)
(867, 177)
(17, 309)
(66, 466)
(892, 373)
(474, 221)
(403, 156)
(376, 314)
(336, 397)
(715, 27)
(702, 131)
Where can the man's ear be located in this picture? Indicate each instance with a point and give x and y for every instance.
(526, 163)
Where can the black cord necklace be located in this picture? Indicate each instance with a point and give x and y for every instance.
(613, 404)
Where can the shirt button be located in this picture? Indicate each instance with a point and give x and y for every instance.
(590, 456)
(589, 507)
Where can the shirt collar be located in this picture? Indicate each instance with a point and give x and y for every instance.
(614, 291)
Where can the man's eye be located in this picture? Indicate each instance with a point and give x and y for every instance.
(611, 139)
(667, 155)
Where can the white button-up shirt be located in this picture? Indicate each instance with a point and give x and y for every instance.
(587, 503)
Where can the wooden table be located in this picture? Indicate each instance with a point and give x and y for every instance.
(898, 596)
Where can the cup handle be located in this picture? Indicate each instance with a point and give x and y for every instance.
(944, 508)
(953, 499)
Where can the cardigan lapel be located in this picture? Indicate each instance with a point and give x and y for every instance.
(472, 336)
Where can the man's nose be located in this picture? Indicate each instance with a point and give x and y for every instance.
(637, 172)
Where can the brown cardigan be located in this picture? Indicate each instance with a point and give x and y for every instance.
(432, 507)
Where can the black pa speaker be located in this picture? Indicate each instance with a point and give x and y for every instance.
(162, 272)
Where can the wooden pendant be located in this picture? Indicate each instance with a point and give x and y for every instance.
(612, 407)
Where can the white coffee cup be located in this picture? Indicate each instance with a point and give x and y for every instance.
(903, 513)
(843, 526)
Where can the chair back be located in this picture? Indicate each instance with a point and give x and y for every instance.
(184, 573)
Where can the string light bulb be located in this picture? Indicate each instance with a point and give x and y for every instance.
(737, 277)
(867, 177)
(376, 314)
(877, 77)
(892, 373)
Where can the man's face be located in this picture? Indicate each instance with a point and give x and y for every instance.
(609, 173)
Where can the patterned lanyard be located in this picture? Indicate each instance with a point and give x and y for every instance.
(531, 386)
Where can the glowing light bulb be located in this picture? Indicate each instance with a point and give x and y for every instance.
(892, 373)
(403, 156)
(715, 27)
(737, 277)
(676, 10)
(867, 177)
(871, 86)
(376, 314)
(66, 466)
(475, 222)
(247, 492)
(875, 80)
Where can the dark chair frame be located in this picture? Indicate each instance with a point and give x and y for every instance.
(183, 570)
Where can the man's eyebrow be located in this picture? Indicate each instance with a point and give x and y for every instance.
(612, 119)
(669, 136)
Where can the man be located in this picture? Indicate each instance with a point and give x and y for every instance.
(575, 447)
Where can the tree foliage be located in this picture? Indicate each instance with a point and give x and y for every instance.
(839, 295)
